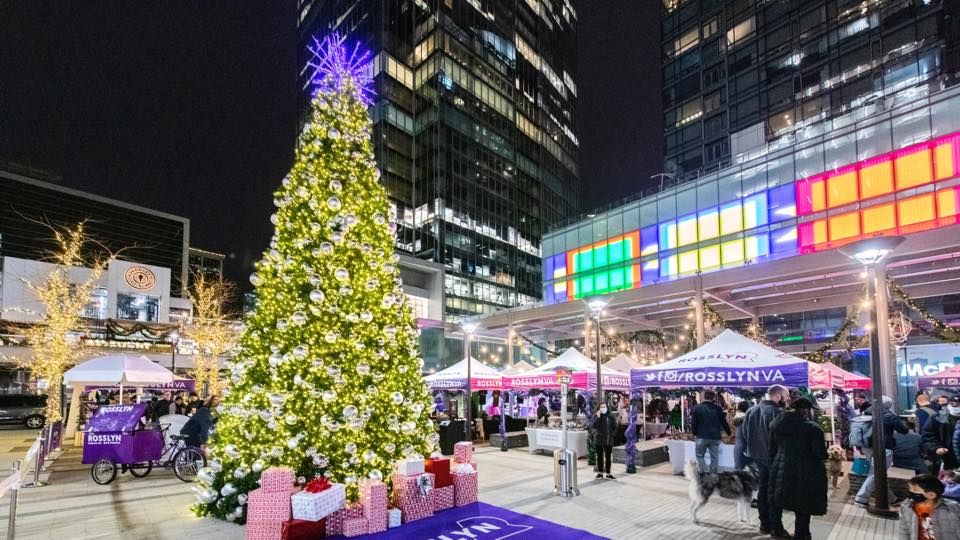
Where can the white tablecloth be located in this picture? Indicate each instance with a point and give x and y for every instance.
(683, 451)
(551, 439)
(655, 429)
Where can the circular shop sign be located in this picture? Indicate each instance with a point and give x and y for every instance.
(140, 278)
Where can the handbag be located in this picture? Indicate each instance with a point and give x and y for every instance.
(861, 466)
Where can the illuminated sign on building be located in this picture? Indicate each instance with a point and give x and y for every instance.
(900, 192)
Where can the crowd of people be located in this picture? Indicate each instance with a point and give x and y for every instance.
(778, 439)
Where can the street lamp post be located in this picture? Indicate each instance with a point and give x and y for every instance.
(469, 328)
(871, 253)
(596, 305)
(174, 339)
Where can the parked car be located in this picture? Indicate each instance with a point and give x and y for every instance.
(26, 409)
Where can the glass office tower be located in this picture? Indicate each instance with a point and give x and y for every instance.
(474, 130)
(740, 73)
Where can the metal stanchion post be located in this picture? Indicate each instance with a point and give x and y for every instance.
(37, 467)
(14, 490)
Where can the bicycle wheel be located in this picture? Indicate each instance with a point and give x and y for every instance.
(140, 470)
(187, 462)
(103, 471)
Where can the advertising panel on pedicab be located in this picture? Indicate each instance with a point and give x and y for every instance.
(115, 433)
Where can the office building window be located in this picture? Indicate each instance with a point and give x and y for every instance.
(96, 308)
(741, 31)
(710, 27)
(716, 151)
(713, 102)
(686, 41)
(138, 307)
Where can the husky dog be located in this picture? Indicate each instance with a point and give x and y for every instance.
(736, 485)
(835, 458)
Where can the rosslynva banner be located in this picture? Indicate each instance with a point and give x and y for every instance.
(790, 375)
(481, 521)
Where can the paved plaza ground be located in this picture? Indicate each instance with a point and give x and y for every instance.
(649, 505)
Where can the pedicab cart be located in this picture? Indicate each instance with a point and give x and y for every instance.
(116, 435)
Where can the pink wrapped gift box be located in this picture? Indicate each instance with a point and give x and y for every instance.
(264, 530)
(407, 495)
(409, 466)
(316, 506)
(277, 479)
(373, 499)
(464, 488)
(355, 527)
(463, 452)
(269, 506)
(442, 498)
(335, 520)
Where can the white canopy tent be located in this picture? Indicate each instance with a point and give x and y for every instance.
(117, 369)
(520, 367)
(482, 377)
(583, 371)
(623, 363)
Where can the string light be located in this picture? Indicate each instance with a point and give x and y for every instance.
(328, 376)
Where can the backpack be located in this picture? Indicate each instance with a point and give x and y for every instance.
(860, 433)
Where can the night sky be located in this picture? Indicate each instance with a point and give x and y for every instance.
(190, 107)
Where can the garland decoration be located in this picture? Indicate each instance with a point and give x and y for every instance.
(541, 347)
(938, 329)
(756, 332)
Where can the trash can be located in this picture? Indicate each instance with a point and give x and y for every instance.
(565, 473)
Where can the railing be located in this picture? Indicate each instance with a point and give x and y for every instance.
(48, 441)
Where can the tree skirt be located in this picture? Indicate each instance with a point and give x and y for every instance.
(483, 521)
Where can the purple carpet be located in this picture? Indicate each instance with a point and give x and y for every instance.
(481, 521)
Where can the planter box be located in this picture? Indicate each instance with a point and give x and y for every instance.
(515, 439)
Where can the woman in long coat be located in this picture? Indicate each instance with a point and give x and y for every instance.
(798, 475)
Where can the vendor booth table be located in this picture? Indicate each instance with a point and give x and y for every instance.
(683, 451)
(729, 361)
(552, 439)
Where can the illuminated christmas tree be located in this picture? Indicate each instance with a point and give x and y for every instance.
(328, 378)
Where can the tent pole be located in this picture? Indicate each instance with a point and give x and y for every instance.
(683, 413)
(833, 407)
(643, 416)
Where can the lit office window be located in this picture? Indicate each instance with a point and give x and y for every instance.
(138, 307)
(741, 31)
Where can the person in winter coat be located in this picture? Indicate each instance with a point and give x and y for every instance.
(939, 439)
(706, 421)
(740, 459)
(906, 454)
(891, 423)
(798, 474)
(927, 515)
(604, 432)
(755, 431)
(198, 427)
(923, 411)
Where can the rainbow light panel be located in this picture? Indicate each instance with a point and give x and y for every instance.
(901, 192)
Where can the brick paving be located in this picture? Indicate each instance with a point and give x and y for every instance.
(649, 505)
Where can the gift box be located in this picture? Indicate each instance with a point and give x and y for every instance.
(302, 529)
(373, 499)
(314, 506)
(411, 493)
(463, 452)
(264, 530)
(464, 468)
(336, 520)
(442, 498)
(277, 479)
(395, 516)
(440, 468)
(464, 488)
(355, 527)
(409, 466)
(269, 506)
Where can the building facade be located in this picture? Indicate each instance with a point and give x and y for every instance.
(473, 130)
(29, 206)
(738, 74)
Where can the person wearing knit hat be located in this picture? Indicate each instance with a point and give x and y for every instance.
(891, 423)
(940, 441)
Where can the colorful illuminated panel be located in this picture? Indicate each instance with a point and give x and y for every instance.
(855, 201)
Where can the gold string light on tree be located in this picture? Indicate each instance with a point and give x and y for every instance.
(328, 376)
